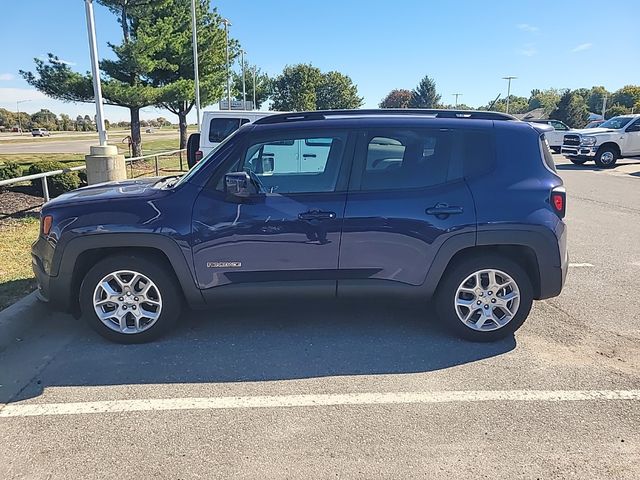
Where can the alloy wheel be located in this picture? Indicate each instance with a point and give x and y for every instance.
(127, 301)
(487, 300)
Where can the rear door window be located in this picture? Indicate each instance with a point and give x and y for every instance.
(403, 158)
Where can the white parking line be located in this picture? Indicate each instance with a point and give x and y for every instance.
(289, 401)
(578, 265)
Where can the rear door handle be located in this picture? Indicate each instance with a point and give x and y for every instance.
(442, 210)
(316, 215)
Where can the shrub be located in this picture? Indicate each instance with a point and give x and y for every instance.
(10, 170)
(58, 184)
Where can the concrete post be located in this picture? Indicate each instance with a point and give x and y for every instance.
(105, 165)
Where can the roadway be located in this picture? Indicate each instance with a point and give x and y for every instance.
(351, 390)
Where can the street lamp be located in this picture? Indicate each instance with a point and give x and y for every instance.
(244, 89)
(194, 41)
(456, 95)
(254, 87)
(227, 24)
(508, 89)
(18, 107)
(95, 71)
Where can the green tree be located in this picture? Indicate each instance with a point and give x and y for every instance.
(263, 85)
(65, 123)
(124, 84)
(516, 105)
(545, 99)
(595, 98)
(397, 98)
(45, 119)
(167, 26)
(615, 110)
(628, 96)
(295, 89)
(7, 118)
(425, 94)
(572, 110)
(337, 91)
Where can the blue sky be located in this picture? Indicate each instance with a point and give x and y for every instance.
(466, 45)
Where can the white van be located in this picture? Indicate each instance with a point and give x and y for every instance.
(216, 126)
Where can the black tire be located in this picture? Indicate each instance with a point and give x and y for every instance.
(164, 280)
(606, 157)
(578, 161)
(193, 144)
(458, 272)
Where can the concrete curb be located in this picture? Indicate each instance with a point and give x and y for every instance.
(18, 318)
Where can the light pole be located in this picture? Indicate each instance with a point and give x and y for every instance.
(457, 95)
(508, 89)
(244, 89)
(18, 107)
(194, 41)
(227, 24)
(95, 71)
(254, 87)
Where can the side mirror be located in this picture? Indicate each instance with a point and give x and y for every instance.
(239, 185)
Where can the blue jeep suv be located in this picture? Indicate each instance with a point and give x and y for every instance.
(461, 207)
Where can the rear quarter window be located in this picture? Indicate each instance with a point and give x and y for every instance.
(477, 149)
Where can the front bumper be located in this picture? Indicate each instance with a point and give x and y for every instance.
(578, 151)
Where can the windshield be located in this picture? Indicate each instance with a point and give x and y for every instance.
(204, 161)
(616, 122)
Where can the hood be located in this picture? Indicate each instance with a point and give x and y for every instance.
(139, 188)
(592, 131)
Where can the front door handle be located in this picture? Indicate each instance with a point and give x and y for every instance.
(317, 215)
(442, 210)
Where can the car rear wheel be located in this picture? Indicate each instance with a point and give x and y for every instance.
(484, 299)
(606, 157)
(129, 299)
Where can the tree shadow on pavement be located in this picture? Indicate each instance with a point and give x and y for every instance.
(265, 342)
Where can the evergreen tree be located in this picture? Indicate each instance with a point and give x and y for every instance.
(425, 95)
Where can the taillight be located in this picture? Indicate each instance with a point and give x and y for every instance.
(47, 220)
(198, 155)
(559, 201)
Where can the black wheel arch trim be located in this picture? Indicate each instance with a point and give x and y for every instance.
(63, 267)
(541, 240)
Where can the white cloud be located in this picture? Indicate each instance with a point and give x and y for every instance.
(525, 27)
(529, 50)
(5, 77)
(12, 95)
(582, 47)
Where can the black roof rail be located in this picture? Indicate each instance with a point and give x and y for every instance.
(435, 113)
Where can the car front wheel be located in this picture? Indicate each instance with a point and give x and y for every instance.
(130, 299)
(606, 157)
(484, 299)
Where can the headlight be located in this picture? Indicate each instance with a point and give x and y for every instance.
(588, 141)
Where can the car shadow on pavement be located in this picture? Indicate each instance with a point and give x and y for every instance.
(593, 167)
(266, 342)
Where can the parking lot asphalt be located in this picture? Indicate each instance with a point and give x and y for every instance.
(351, 389)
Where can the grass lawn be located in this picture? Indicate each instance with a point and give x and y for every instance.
(16, 276)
